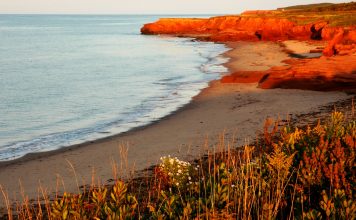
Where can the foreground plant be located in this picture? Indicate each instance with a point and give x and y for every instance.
(298, 173)
(100, 204)
(291, 174)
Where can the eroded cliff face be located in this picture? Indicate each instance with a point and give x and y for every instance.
(321, 74)
(229, 27)
(342, 41)
(234, 28)
(173, 26)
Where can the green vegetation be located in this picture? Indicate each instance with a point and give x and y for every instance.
(323, 7)
(334, 19)
(303, 7)
(290, 174)
(336, 15)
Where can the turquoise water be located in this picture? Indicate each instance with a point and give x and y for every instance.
(67, 79)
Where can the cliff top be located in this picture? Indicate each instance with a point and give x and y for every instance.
(323, 7)
(336, 15)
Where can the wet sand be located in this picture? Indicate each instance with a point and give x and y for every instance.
(235, 109)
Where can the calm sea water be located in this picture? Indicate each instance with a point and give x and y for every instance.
(68, 79)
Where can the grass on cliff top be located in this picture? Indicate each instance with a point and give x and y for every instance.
(323, 7)
(335, 19)
(336, 15)
(291, 173)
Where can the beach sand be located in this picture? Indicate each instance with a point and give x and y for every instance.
(236, 109)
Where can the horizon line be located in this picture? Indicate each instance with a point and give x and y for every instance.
(31, 13)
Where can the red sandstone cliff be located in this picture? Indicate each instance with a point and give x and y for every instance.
(230, 28)
(233, 28)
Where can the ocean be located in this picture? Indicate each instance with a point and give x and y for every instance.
(69, 79)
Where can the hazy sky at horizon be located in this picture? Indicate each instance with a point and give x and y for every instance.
(145, 6)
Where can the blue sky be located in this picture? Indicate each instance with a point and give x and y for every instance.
(144, 6)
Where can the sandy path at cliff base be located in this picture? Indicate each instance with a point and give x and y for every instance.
(236, 109)
(256, 56)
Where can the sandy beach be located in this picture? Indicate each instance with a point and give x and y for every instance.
(238, 110)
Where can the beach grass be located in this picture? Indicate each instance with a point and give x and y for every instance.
(289, 173)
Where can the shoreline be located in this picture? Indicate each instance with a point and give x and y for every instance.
(112, 135)
(204, 118)
(39, 155)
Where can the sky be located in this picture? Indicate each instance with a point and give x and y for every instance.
(144, 6)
